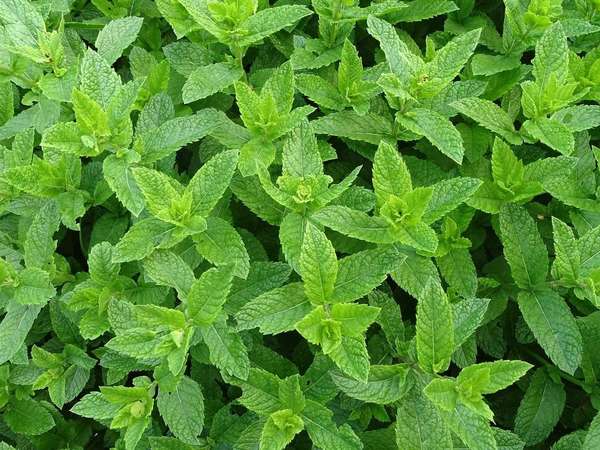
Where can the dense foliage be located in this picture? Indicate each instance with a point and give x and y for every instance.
(333, 224)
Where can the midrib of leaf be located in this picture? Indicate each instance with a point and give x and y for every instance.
(554, 333)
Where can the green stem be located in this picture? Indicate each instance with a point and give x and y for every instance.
(565, 376)
(84, 26)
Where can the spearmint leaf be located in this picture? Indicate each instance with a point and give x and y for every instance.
(275, 311)
(592, 438)
(97, 79)
(28, 417)
(352, 357)
(437, 129)
(262, 277)
(208, 294)
(269, 21)
(419, 425)
(490, 116)
(116, 36)
(467, 316)
(566, 249)
(449, 60)
(301, 155)
(222, 245)
(501, 374)
(320, 91)
(119, 177)
(211, 181)
(353, 282)
(402, 61)
(554, 327)
(158, 189)
(227, 350)
(492, 64)
(524, 249)
(168, 269)
(579, 117)
(470, 427)
(415, 273)
(183, 410)
(540, 408)
(40, 244)
(386, 384)
(173, 134)
(390, 174)
(318, 265)
(355, 224)
(435, 342)
(141, 240)
(14, 329)
(210, 79)
(371, 128)
(551, 55)
(447, 195)
(553, 133)
(95, 406)
(323, 431)
(34, 287)
(418, 10)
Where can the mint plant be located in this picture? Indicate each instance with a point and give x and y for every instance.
(331, 225)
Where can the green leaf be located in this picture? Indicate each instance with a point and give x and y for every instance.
(435, 342)
(301, 157)
(490, 116)
(208, 294)
(183, 410)
(524, 249)
(553, 326)
(28, 417)
(355, 224)
(419, 425)
(95, 406)
(14, 329)
(97, 79)
(467, 316)
(386, 384)
(275, 311)
(553, 133)
(437, 129)
(540, 409)
(116, 36)
(354, 282)
(39, 244)
(551, 55)
(402, 61)
(168, 269)
(592, 438)
(141, 240)
(211, 181)
(501, 374)
(318, 265)
(119, 177)
(390, 174)
(159, 190)
(173, 134)
(210, 79)
(227, 350)
(371, 128)
(447, 195)
(323, 431)
(35, 287)
(222, 245)
(566, 249)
